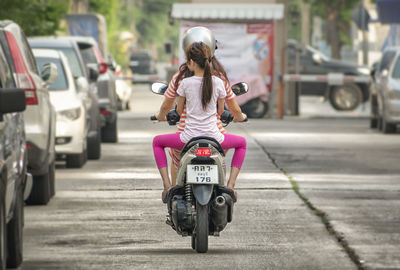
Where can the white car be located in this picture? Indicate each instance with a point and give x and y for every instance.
(71, 128)
(39, 116)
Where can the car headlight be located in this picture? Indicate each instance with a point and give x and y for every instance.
(364, 71)
(71, 115)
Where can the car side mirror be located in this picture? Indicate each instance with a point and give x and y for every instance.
(49, 73)
(11, 100)
(93, 73)
(81, 85)
(317, 58)
(240, 88)
(159, 88)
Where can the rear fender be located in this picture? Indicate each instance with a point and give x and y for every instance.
(202, 193)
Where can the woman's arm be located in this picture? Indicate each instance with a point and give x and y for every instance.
(166, 106)
(181, 104)
(234, 108)
(221, 106)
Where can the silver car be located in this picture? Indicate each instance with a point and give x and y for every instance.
(388, 95)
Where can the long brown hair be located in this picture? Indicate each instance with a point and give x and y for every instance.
(200, 53)
(184, 72)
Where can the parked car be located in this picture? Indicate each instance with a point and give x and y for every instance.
(71, 131)
(105, 86)
(40, 116)
(141, 62)
(13, 166)
(344, 97)
(377, 71)
(385, 89)
(86, 79)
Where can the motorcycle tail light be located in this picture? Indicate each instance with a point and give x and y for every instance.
(203, 152)
(105, 112)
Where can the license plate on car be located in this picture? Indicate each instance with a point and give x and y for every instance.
(202, 174)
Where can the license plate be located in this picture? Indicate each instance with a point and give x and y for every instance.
(202, 174)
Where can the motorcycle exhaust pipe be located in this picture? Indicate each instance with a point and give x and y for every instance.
(219, 213)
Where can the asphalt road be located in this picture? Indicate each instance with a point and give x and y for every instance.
(314, 193)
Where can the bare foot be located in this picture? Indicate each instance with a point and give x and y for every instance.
(164, 194)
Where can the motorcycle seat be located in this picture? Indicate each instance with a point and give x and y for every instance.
(203, 141)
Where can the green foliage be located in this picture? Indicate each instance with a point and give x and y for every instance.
(108, 8)
(294, 20)
(36, 17)
(147, 20)
(341, 9)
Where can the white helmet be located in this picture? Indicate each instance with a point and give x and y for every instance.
(199, 34)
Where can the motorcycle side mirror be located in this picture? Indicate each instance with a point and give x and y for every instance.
(240, 88)
(159, 88)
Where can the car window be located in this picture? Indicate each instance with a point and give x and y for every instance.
(396, 69)
(73, 61)
(61, 82)
(26, 50)
(89, 55)
(386, 60)
(6, 77)
(311, 51)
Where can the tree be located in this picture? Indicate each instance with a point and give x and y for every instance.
(337, 14)
(36, 17)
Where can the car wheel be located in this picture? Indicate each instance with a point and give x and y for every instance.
(3, 234)
(40, 193)
(120, 105)
(373, 123)
(76, 160)
(345, 97)
(255, 108)
(52, 179)
(109, 133)
(94, 147)
(388, 127)
(15, 233)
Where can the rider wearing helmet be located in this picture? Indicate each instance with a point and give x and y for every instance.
(197, 34)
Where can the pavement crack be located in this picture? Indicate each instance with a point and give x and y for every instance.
(319, 213)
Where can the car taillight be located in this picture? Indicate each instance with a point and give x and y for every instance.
(105, 112)
(203, 152)
(22, 77)
(103, 68)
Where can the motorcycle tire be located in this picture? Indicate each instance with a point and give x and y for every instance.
(201, 241)
(255, 108)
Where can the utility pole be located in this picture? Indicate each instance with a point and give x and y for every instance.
(282, 95)
(365, 43)
(305, 24)
(79, 6)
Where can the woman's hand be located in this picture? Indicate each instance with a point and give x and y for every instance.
(157, 115)
(242, 117)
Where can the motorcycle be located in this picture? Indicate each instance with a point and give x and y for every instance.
(200, 204)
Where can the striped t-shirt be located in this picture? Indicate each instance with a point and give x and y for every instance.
(172, 94)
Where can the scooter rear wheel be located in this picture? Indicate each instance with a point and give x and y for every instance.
(201, 241)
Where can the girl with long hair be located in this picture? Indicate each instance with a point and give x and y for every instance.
(201, 93)
(196, 34)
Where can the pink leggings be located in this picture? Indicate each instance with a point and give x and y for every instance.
(160, 142)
